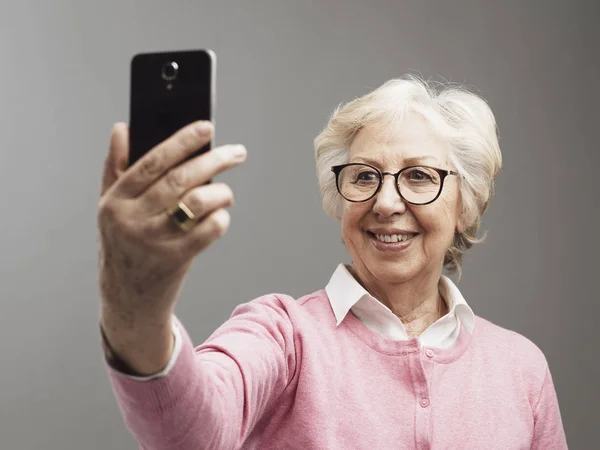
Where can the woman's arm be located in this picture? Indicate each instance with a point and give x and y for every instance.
(548, 428)
(214, 394)
(145, 254)
(140, 351)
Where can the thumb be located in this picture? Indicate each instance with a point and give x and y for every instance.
(118, 156)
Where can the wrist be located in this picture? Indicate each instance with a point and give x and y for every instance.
(136, 347)
(134, 320)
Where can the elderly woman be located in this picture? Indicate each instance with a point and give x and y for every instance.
(388, 356)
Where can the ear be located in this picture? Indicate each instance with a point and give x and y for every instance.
(339, 211)
(461, 223)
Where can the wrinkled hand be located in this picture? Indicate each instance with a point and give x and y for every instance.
(144, 255)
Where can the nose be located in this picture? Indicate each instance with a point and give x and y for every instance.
(387, 201)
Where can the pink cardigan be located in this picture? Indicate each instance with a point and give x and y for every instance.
(279, 374)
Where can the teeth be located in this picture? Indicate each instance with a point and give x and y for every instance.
(394, 237)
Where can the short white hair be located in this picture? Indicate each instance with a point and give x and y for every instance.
(460, 117)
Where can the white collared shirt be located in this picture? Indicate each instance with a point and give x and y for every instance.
(346, 294)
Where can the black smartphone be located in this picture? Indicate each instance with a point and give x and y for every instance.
(169, 90)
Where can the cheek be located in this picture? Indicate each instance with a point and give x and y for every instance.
(439, 222)
(351, 220)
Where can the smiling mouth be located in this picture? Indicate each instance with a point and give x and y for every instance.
(393, 238)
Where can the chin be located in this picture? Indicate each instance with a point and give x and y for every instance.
(392, 271)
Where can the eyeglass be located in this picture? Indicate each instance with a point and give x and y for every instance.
(418, 185)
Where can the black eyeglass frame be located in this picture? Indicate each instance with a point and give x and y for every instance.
(442, 173)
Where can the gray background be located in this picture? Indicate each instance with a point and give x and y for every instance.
(282, 67)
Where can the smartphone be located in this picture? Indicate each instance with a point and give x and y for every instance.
(169, 90)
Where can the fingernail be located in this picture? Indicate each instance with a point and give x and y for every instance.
(115, 127)
(203, 127)
(238, 151)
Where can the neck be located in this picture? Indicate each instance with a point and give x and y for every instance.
(416, 302)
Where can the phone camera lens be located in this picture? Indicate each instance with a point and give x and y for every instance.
(169, 70)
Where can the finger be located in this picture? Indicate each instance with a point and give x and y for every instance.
(204, 200)
(160, 159)
(201, 201)
(116, 160)
(200, 237)
(195, 172)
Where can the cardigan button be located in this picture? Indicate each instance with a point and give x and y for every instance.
(429, 353)
(424, 402)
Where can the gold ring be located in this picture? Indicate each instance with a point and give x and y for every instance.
(182, 216)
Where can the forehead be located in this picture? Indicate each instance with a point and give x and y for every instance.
(412, 139)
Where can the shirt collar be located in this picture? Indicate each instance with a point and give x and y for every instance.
(344, 292)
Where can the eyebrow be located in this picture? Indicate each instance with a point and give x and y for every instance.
(408, 161)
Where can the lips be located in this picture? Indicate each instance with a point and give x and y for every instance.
(391, 231)
(392, 243)
(394, 237)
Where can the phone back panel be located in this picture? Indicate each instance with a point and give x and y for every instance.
(168, 91)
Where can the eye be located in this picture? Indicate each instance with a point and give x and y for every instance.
(366, 176)
(419, 175)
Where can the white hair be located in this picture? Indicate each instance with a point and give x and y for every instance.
(461, 118)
